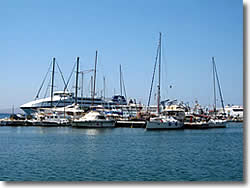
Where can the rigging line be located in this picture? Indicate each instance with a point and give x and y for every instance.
(124, 86)
(43, 81)
(89, 89)
(61, 74)
(156, 58)
(46, 90)
(69, 77)
(221, 97)
(165, 68)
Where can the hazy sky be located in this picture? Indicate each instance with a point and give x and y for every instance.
(124, 32)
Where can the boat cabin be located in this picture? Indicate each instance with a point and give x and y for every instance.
(63, 94)
(119, 99)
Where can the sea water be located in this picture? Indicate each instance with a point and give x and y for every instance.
(121, 154)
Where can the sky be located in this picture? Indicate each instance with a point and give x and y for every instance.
(124, 32)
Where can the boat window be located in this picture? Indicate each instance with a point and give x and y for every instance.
(100, 117)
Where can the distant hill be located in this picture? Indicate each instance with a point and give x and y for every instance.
(9, 110)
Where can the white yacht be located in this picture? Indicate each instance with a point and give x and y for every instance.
(217, 123)
(49, 119)
(175, 111)
(172, 117)
(62, 99)
(65, 98)
(234, 111)
(93, 119)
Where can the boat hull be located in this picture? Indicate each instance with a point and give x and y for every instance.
(203, 125)
(94, 124)
(155, 125)
(49, 123)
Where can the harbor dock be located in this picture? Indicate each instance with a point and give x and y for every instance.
(17, 123)
(118, 124)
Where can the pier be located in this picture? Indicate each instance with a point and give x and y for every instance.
(118, 124)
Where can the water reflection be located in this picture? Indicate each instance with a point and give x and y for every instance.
(58, 130)
(70, 130)
(91, 131)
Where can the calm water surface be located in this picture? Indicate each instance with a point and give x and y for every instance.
(121, 154)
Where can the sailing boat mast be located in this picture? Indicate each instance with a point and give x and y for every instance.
(217, 78)
(152, 82)
(91, 86)
(214, 85)
(77, 72)
(159, 82)
(93, 94)
(52, 82)
(82, 90)
(121, 79)
(104, 87)
(124, 89)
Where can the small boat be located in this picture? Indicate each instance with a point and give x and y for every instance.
(196, 121)
(93, 119)
(164, 122)
(50, 120)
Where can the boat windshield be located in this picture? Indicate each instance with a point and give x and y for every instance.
(63, 94)
(100, 117)
(238, 110)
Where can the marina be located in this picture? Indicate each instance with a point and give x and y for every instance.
(121, 92)
(171, 123)
(67, 108)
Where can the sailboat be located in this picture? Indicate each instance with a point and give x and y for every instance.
(162, 121)
(215, 121)
(93, 118)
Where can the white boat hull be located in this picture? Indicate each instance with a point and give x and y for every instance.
(217, 123)
(154, 125)
(94, 124)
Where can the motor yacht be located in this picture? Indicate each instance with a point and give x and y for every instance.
(93, 119)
